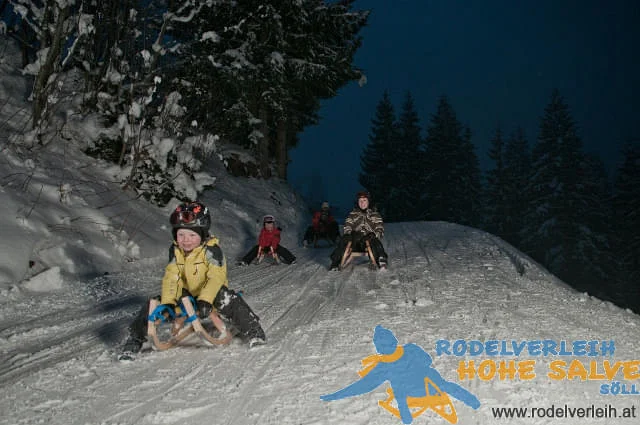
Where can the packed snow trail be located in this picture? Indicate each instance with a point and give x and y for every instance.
(444, 282)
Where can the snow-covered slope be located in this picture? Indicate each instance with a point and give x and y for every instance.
(66, 214)
(446, 282)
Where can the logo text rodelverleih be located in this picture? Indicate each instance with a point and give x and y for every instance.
(621, 374)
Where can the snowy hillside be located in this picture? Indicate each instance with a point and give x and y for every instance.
(65, 214)
(446, 282)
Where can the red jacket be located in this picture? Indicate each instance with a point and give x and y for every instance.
(269, 238)
(318, 224)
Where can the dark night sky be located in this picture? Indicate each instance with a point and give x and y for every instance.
(497, 61)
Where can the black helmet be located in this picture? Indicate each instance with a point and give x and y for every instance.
(191, 215)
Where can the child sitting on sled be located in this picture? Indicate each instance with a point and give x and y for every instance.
(363, 231)
(197, 268)
(269, 244)
(323, 226)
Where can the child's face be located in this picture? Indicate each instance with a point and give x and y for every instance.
(187, 239)
(268, 226)
(363, 203)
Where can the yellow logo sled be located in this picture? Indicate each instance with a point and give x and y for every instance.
(435, 400)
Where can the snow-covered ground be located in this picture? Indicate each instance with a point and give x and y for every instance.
(446, 282)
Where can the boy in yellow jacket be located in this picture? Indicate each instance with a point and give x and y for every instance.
(197, 267)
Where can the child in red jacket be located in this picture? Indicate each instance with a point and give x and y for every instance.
(269, 244)
(323, 226)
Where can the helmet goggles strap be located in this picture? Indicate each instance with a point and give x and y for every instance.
(183, 217)
(186, 214)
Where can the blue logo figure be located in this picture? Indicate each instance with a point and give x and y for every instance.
(415, 384)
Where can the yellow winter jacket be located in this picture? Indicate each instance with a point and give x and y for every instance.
(202, 272)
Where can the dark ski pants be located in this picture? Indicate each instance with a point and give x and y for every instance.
(329, 232)
(231, 306)
(358, 244)
(282, 252)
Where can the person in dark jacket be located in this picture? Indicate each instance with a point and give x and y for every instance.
(197, 268)
(269, 244)
(323, 226)
(363, 224)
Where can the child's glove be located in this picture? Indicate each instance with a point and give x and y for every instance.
(204, 308)
(369, 237)
(163, 312)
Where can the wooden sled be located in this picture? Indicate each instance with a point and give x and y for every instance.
(317, 238)
(179, 331)
(438, 401)
(273, 255)
(349, 254)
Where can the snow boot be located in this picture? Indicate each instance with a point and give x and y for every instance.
(335, 266)
(382, 263)
(256, 336)
(130, 349)
(256, 341)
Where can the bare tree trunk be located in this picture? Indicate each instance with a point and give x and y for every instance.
(40, 90)
(24, 45)
(281, 148)
(263, 144)
(136, 146)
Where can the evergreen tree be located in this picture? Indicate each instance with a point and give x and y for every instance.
(256, 70)
(469, 190)
(559, 229)
(496, 203)
(451, 183)
(443, 136)
(593, 259)
(547, 193)
(626, 222)
(404, 192)
(516, 173)
(377, 170)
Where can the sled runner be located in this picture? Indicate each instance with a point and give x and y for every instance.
(272, 254)
(349, 255)
(317, 237)
(184, 325)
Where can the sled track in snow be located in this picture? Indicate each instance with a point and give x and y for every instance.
(340, 288)
(63, 346)
(301, 310)
(263, 277)
(243, 273)
(15, 326)
(425, 248)
(304, 308)
(179, 384)
(61, 335)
